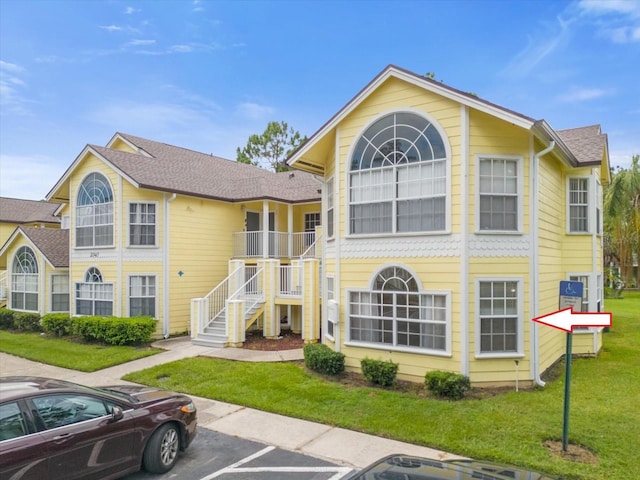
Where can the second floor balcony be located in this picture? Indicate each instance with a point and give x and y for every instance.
(260, 244)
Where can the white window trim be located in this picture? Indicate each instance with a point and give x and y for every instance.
(347, 179)
(520, 197)
(519, 353)
(379, 346)
(128, 291)
(592, 297)
(75, 216)
(331, 228)
(51, 292)
(591, 206)
(128, 213)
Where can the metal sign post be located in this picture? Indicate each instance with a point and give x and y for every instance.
(570, 297)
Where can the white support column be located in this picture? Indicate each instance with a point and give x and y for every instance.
(265, 229)
(290, 229)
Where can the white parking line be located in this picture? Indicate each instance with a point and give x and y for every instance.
(237, 468)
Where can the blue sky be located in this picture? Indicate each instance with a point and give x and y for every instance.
(207, 74)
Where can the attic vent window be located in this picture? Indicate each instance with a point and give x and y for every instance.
(398, 178)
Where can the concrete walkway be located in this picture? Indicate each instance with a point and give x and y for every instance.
(337, 445)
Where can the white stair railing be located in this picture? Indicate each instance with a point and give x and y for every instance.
(216, 299)
(250, 292)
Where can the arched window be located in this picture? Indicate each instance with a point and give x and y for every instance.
(24, 281)
(94, 212)
(398, 177)
(395, 312)
(93, 296)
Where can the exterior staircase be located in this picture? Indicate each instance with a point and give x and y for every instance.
(215, 333)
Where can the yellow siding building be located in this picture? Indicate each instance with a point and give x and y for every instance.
(449, 223)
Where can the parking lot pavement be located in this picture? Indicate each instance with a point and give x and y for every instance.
(214, 455)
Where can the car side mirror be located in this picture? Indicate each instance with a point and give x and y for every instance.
(116, 413)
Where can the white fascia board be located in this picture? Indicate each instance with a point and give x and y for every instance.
(86, 150)
(135, 147)
(420, 82)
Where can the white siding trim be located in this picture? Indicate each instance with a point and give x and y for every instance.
(464, 232)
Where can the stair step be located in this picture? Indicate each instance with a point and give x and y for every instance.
(210, 340)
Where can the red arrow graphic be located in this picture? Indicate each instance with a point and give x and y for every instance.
(566, 319)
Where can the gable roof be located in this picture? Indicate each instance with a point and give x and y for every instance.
(167, 168)
(53, 243)
(587, 143)
(574, 155)
(15, 210)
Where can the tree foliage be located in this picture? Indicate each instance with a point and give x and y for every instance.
(271, 148)
(622, 219)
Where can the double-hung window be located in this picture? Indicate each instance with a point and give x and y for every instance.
(579, 205)
(142, 224)
(395, 313)
(94, 212)
(398, 179)
(142, 295)
(93, 296)
(499, 194)
(499, 325)
(330, 208)
(24, 281)
(60, 293)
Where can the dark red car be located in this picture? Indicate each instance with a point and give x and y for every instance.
(53, 429)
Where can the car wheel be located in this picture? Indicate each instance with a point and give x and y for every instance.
(161, 453)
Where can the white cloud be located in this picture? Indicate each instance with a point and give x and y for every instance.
(17, 178)
(111, 28)
(130, 10)
(582, 94)
(12, 86)
(541, 45)
(10, 67)
(617, 20)
(597, 7)
(254, 111)
(140, 43)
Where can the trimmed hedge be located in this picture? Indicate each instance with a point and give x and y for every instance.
(58, 324)
(447, 384)
(379, 372)
(6, 319)
(320, 358)
(109, 330)
(115, 330)
(27, 322)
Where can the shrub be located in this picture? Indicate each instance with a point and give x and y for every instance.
(379, 372)
(320, 358)
(447, 384)
(59, 324)
(6, 319)
(115, 330)
(27, 322)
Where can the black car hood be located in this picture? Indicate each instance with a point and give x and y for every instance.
(143, 394)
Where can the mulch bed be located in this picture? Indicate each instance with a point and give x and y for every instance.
(287, 341)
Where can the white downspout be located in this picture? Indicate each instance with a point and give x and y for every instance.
(534, 266)
(165, 273)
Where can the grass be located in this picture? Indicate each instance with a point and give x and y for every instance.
(62, 352)
(509, 428)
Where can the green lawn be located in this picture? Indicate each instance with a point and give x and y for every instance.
(511, 428)
(68, 354)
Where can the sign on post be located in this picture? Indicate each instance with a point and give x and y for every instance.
(571, 295)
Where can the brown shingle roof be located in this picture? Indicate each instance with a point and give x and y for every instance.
(588, 144)
(52, 242)
(179, 170)
(14, 210)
